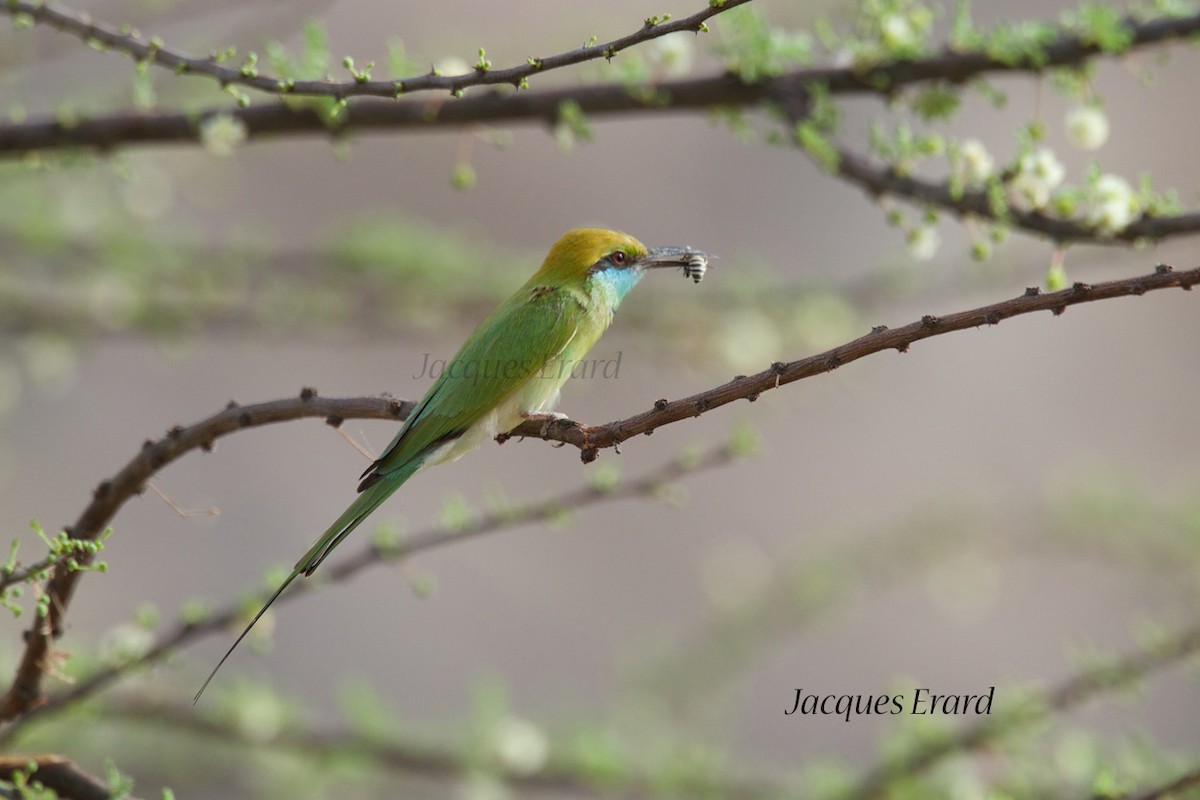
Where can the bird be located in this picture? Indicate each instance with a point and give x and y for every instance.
(509, 370)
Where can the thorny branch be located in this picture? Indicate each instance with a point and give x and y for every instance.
(26, 690)
(129, 42)
(589, 439)
(108, 131)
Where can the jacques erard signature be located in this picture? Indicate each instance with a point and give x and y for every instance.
(922, 701)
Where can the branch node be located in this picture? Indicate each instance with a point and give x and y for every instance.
(992, 317)
(1032, 291)
(307, 393)
(175, 433)
(589, 454)
(929, 321)
(231, 405)
(660, 404)
(1079, 287)
(1058, 310)
(1163, 269)
(334, 421)
(879, 329)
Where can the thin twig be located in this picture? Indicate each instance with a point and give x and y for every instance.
(1188, 780)
(186, 632)
(82, 25)
(420, 759)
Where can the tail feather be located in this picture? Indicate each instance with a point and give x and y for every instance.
(359, 510)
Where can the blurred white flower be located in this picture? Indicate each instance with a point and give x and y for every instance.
(1038, 174)
(676, 54)
(124, 643)
(923, 243)
(1112, 204)
(897, 31)
(975, 164)
(520, 746)
(221, 134)
(748, 340)
(1087, 127)
(451, 65)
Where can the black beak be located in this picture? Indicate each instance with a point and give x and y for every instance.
(692, 262)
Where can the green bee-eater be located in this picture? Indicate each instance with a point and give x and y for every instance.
(509, 370)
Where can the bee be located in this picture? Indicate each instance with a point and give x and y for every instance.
(695, 267)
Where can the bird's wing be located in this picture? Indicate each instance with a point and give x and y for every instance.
(507, 349)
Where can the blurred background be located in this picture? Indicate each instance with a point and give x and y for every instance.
(984, 510)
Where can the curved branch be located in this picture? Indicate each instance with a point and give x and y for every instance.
(107, 131)
(80, 24)
(883, 180)
(110, 495)
(186, 632)
(25, 693)
(590, 438)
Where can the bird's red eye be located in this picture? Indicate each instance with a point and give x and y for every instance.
(618, 258)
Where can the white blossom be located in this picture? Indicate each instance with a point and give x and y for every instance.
(221, 134)
(1087, 127)
(923, 243)
(451, 65)
(897, 31)
(976, 164)
(520, 746)
(676, 54)
(1112, 204)
(1038, 174)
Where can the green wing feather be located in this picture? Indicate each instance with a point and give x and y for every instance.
(507, 350)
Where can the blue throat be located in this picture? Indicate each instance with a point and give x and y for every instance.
(616, 283)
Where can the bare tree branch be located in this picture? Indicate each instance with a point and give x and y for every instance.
(25, 692)
(589, 439)
(80, 24)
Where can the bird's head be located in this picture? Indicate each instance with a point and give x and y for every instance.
(612, 259)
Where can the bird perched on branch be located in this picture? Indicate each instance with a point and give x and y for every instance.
(509, 370)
